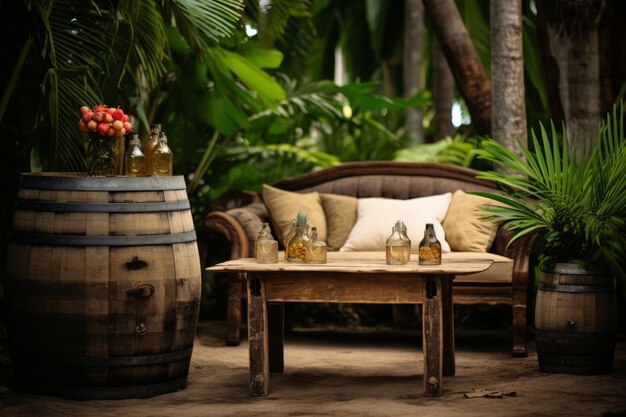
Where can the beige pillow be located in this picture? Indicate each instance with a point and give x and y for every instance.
(376, 217)
(466, 230)
(340, 211)
(283, 206)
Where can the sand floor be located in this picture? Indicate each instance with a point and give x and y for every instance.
(359, 372)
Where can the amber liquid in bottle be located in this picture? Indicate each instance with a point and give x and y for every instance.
(162, 159)
(149, 146)
(134, 159)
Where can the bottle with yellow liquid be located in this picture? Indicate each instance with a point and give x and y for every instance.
(134, 159)
(149, 146)
(162, 161)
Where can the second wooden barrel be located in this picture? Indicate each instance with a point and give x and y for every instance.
(102, 286)
(576, 320)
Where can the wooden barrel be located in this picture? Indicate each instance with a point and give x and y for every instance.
(102, 286)
(576, 320)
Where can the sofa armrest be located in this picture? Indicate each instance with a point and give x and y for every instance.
(521, 262)
(240, 226)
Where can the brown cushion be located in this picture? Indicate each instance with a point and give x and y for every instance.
(283, 206)
(340, 211)
(465, 227)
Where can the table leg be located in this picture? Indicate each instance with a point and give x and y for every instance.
(276, 329)
(432, 333)
(258, 336)
(449, 366)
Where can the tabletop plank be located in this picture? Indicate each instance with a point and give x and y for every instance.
(359, 262)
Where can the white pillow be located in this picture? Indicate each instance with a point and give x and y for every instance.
(376, 217)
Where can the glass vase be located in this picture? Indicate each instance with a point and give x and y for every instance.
(105, 155)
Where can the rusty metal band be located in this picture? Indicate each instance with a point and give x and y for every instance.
(48, 206)
(74, 240)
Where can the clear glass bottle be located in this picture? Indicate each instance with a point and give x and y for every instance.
(162, 159)
(398, 246)
(288, 236)
(134, 159)
(265, 247)
(406, 254)
(149, 146)
(298, 243)
(429, 247)
(316, 249)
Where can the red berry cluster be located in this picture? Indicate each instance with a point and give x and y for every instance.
(105, 121)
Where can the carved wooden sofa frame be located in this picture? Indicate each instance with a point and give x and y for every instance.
(390, 180)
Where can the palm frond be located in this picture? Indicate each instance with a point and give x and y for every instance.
(203, 23)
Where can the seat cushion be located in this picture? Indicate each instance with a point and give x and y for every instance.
(500, 271)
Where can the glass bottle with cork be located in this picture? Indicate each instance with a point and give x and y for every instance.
(316, 250)
(429, 247)
(398, 246)
(162, 161)
(134, 159)
(265, 247)
(296, 247)
(148, 147)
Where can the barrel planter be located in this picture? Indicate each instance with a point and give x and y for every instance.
(576, 320)
(102, 286)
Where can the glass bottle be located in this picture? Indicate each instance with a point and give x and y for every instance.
(162, 159)
(429, 247)
(316, 249)
(134, 159)
(398, 246)
(148, 147)
(265, 247)
(288, 236)
(298, 243)
(406, 250)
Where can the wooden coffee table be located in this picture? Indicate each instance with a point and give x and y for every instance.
(350, 277)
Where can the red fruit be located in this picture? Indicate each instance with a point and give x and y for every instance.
(118, 125)
(82, 126)
(108, 118)
(128, 126)
(92, 125)
(87, 116)
(125, 118)
(111, 132)
(121, 132)
(109, 110)
(98, 117)
(117, 114)
(103, 128)
(84, 109)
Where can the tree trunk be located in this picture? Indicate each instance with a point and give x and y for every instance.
(443, 93)
(413, 49)
(550, 67)
(467, 69)
(508, 123)
(574, 24)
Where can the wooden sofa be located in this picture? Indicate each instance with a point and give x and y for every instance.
(506, 282)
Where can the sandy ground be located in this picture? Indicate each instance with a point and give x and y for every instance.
(359, 372)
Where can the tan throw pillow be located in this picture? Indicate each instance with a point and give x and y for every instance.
(340, 211)
(466, 230)
(376, 217)
(283, 206)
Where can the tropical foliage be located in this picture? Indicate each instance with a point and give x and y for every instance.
(573, 201)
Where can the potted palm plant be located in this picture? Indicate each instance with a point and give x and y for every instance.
(574, 204)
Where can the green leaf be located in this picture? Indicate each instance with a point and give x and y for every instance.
(255, 78)
(262, 58)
